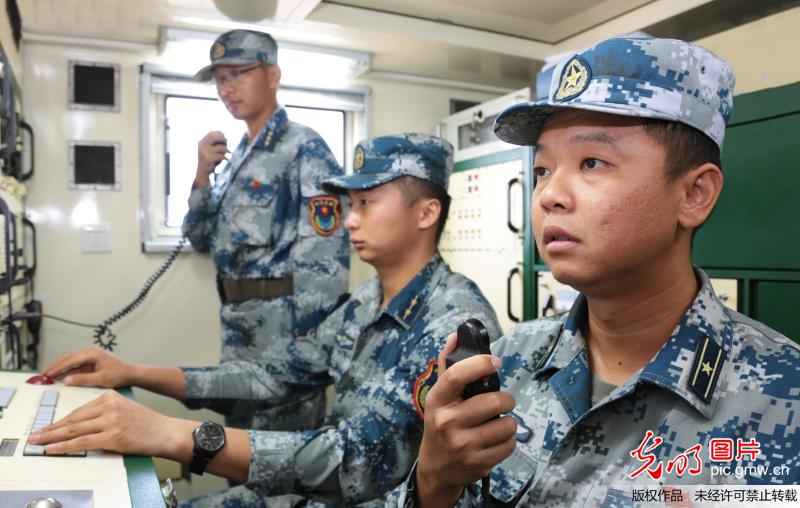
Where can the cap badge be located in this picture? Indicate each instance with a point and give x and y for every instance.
(358, 159)
(218, 50)
(574, 79)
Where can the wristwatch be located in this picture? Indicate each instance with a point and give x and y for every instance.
(209, 438)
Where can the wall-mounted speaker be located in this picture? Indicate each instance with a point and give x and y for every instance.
(94, 165)
(93, 86)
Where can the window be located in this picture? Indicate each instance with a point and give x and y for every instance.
(177, 112)
(188, 119)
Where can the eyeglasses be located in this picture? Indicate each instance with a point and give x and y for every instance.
(234, 76)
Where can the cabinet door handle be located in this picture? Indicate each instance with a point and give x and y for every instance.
(28, 174)
(511, 183)
(8, 276)
(511, 273)
(30, 270)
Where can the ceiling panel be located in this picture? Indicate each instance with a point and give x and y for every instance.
(500, 43)
(542, 20)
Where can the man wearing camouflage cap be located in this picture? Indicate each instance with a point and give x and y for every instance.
(648, 380)
(377, 349)
(282, 259)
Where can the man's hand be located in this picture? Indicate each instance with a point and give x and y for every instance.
(211, 150)
(97, 367)
(115, 423)
(463, 440)
(92, 367)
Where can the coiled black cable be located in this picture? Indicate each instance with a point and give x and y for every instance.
(103, 336)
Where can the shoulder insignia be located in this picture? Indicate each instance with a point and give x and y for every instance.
(358, 158)
(423, 385)
(574, 79)
(218, 50)
(324, 215)
(708, 360)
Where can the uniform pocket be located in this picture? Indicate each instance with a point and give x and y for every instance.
(512, 477)
(252, 225)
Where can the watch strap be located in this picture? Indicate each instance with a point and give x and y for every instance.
(198, 464)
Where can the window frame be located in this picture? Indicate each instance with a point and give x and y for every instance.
(157, 84)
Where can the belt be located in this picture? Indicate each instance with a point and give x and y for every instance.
(239, 290)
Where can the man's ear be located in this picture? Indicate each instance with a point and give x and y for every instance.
(274, 77)
(429, 211)
(701, 187)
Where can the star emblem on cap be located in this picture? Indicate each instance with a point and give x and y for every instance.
(218, 51)
(574, 79)
(358, 158)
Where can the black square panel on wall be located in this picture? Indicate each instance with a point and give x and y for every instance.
(93, 86)
(94, 165)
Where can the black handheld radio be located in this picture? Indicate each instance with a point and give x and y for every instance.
(473, 339)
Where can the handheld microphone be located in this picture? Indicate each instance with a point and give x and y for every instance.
(219, 142)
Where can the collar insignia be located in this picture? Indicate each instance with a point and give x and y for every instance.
(708, 360)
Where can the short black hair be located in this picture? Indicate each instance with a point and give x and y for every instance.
(415, 188)
(685, 146)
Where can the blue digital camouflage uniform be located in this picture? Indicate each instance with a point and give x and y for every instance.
(720, 376)
(266, 216)
(374, 357)
(381, 361)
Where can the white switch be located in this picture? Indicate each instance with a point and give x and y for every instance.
(96, 238)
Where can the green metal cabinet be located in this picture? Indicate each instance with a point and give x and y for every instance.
(754, 233)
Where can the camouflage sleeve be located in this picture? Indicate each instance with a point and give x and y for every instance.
(320, 256)
(370, 453)
(199, 222)
(301, 366)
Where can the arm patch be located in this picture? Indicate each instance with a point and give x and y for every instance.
(423, 385)
(325, 214)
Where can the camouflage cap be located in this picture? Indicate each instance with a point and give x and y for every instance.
(383, 159)
(666, 79)
(240, 47)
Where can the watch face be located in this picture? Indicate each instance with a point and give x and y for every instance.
(210, 437)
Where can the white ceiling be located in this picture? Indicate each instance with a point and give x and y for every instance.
(542, 20)
(492, 42)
